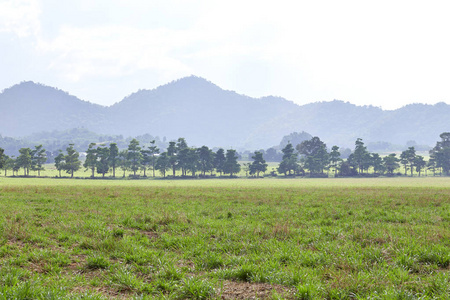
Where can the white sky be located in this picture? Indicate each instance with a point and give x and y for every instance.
(381, 53)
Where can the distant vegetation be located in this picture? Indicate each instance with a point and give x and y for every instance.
(81, 138)
(310, 157)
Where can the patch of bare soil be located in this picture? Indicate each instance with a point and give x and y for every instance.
(246, 290)
(150, 234)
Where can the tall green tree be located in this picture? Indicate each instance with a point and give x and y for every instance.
(182, 155)
(90, 163)
(431, 165)
(361, 157)
(258, 165)
(145, 161)
(134, 155)
(182, 160)
(38, 159)
(16, 166)
(103, 160)
(346, 168)
(2, 158)
(72, 161)
(206, 159)
(153, 151)
(219, 161)
(231, 165)
(9, 164)
(441, 153)
(289, 163)
(24, 160)
(407, 159)
(377, 163)
(124, 163)
(335, 158)
(314, 155)
(172, 155)
(113, 157)
(192, 161)
(419, 163)
(60, 162)
(163, 163)
(391, 163)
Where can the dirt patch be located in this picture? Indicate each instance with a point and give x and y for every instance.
(150, 234)
(246, 290)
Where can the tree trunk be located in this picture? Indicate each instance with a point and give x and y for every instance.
(153, 167)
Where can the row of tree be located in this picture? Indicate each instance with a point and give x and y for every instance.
(310, 155)
(103, 159)
(29, 159)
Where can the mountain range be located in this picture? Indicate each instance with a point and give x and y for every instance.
(205, 114)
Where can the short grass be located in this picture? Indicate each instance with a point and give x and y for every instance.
(218, 239)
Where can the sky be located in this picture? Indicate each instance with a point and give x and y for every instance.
(382, 53)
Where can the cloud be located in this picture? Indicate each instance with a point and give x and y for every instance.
(114, 51)
(380, 52)
(20, 17)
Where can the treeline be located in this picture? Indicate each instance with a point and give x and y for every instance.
(102, 159)
(309, 158)
(53, 141)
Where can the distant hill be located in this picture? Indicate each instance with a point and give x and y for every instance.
(201, 112)
(205, 114)
(29, 107)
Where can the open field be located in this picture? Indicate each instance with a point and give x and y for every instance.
(381, 238)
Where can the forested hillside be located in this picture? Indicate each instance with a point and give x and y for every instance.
(28, 108)
(204, 113)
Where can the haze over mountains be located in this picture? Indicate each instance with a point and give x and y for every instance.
(205, 114)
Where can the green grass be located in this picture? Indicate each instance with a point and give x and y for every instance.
(207, 239)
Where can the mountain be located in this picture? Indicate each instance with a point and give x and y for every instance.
(205, 114)
(29, 107)
(201, 112)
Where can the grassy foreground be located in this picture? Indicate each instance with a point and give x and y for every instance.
(225, 239)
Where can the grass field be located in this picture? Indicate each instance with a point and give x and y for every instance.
(382, 238)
